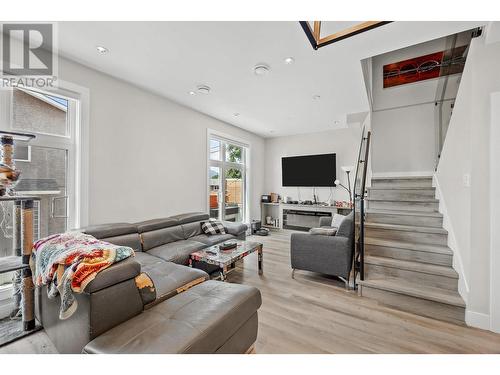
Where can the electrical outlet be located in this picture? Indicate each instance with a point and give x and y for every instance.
(466, 180)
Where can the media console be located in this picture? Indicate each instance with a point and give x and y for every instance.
(296, 216)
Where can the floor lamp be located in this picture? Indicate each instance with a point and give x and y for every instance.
(347, 170)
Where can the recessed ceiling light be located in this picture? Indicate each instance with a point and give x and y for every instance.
(203, 89)
(236, 114)
(102, 49)
(191, 93)
(289, 60)
(316, 97)
(261, 69)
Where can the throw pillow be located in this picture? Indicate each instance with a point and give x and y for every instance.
(346, 229)
(323, 231)
(337, 220)
(213, 227)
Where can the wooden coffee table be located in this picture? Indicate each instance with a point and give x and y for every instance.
(225, 259)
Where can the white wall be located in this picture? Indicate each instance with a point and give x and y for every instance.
(495, 210)
(466, 152)
(148, 155)
(343, 142)
(403, 140)
(404, 117)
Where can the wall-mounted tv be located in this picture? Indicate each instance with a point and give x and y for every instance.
(309, 170)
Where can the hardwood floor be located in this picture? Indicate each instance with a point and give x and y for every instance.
(315, 314)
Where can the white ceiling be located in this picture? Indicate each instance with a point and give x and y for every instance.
(172, 58)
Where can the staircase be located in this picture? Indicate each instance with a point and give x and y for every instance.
(408, 264)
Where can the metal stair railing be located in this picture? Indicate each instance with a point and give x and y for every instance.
(359, 207)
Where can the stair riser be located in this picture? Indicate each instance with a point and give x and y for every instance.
(402, 194)
(414, 237)
(404, 206)
(411, 255)
(373, 271)
(436, 310)
(395, 183)
(419, 221)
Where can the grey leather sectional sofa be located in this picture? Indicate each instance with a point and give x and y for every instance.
(186, 313)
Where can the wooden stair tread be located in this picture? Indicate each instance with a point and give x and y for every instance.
(403, 212)
(405, 228)
(401, 188)
(378, 178)
(418, 200)
(427, 268)
(445, 296)
(408, 245)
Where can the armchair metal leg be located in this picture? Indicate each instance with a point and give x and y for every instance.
(293, 273)
(346, 282)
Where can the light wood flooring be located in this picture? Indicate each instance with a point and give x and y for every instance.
(315, 314)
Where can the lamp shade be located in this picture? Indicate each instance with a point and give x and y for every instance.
(348, 168)
(336, 182)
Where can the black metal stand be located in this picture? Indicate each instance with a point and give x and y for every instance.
(19, 263)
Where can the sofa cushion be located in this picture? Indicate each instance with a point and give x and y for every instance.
(122, 234)
(200, 320)
(161, 236)
(337, 220)
(325, 231)
(170, 279)
(213, 227)
(147, 261)
(213, 239)
(132, 240)
(110, 230)
(346, 228)
(235, 229)
(178, 251)
(190, 217)
(154, 224)
(191, 229)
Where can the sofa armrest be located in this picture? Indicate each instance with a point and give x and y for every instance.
(116, 273)
(236, 229)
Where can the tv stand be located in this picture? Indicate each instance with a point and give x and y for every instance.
(302, 219)
(297, 216)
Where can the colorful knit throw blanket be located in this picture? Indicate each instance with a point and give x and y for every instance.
(68, 262)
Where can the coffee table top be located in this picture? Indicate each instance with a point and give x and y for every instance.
(224, 258)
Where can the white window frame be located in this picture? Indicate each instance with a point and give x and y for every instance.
(75, 141)
(224, 165)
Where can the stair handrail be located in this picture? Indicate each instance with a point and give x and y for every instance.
(359, 195)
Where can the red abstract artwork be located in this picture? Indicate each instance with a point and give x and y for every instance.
(425, 67)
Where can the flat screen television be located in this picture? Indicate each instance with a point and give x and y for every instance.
(309, 170)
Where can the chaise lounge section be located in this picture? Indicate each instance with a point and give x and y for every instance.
(189, 313)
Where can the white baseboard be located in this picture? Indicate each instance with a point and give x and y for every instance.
(478, 320)
(403, 174)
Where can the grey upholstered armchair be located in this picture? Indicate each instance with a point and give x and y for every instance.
(331, 255)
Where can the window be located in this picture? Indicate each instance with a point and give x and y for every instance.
(50, 164)
(227, 182)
